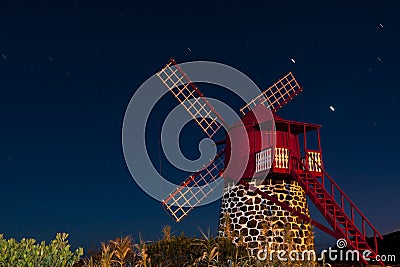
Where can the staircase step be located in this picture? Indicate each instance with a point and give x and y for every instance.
(331, 209)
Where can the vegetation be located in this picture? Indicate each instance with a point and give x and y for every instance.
(170, 251)
(28, 253)
(180, 250)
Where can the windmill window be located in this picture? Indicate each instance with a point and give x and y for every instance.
(263, 160)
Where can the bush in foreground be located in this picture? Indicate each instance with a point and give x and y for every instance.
(28, 253)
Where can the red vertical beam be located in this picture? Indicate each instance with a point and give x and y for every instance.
(342, 201)
(319, 140)
(290, 151)
(363, 228)
(305, 142)
(356, 238)
(322, 162)
(334, 218)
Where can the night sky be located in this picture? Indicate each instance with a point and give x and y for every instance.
(69, 69)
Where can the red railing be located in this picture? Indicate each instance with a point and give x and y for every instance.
(323, 191)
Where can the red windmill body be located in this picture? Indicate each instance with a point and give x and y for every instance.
(278, 161)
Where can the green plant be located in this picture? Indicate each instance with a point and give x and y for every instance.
(121, 248)
(166, 231)
(183, 251)
(107, 255)
(209, 248)
(142, 253)
(27, 253)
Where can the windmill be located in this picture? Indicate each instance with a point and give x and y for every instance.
(289, 169)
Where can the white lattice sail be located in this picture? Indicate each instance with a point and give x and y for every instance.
(194, 189)
(277, 95)
(190, 97)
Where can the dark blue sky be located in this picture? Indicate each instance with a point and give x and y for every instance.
(69, 69)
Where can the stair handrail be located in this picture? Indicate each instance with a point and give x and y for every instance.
(353, 206)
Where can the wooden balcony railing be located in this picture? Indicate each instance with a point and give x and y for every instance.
(281, 158)
(314, 161)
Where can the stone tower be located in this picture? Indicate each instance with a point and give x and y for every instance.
(254, 220)
(258, 222)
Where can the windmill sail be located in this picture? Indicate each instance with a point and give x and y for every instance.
(277, 95)
(191, 98)
(195, 189)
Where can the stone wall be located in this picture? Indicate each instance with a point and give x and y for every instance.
(258, 222)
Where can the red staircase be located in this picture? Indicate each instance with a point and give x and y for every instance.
(337, 208)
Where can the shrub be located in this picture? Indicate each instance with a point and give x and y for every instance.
(28, 253)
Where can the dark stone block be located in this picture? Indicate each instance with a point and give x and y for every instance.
(239, 214)
(283, 192)
(244, 231)
(253, 244)
(251, 193)
(295, 227)
(259, 217)
(261, 238)
(243, 220)
(254, 232)
(297, 240)
(279, 224)
(252, 223)
(248, 202)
